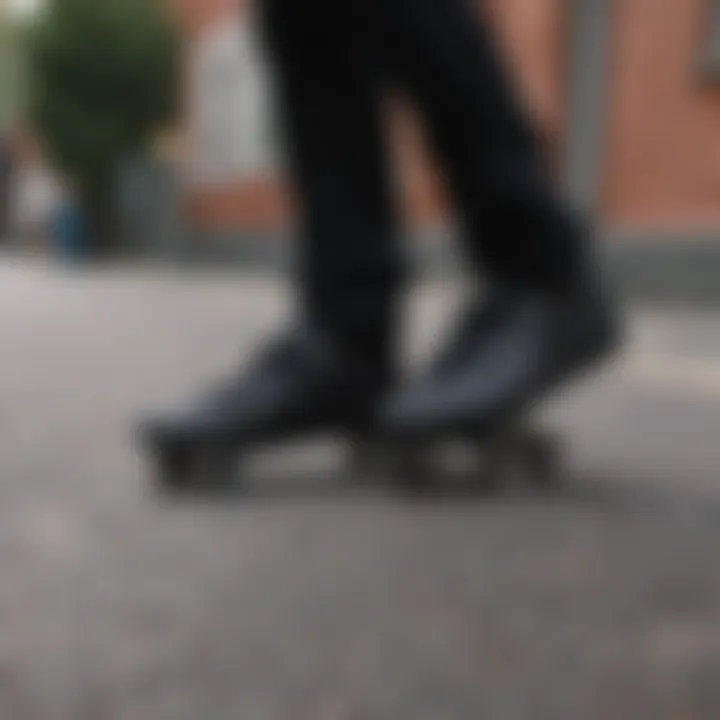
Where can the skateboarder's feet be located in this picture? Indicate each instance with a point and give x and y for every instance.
(301, 384)
(514, 350)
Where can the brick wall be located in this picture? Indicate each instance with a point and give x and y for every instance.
(662, 165)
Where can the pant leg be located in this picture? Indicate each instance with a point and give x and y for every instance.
(442, 54)
(329, 107)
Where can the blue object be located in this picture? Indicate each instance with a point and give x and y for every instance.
(69, 232)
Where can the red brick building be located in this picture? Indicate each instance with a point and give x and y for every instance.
(621, 86)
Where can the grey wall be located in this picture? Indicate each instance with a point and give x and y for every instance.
(588, 64)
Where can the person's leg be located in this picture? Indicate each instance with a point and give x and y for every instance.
(543, 317)
(329, 104)
(329, 371)
(443, 55)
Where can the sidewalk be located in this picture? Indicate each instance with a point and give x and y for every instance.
(312, 600)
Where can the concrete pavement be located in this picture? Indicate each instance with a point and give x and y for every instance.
(310, 599)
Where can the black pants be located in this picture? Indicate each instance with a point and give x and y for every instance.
(335, 61)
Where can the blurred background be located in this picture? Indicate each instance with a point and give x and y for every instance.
(182, 135)
(144, 239)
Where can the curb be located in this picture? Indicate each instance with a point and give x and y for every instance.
(654, 267)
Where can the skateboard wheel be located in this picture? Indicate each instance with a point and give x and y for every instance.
(171, 470)
(543, 460)
(411, 472)
(496, 468)
(366, 460)
(181, 470)
(496, 461)
(519, 456)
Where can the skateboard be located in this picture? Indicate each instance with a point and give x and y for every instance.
(519, 453)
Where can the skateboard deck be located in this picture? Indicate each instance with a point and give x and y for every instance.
(523, 454)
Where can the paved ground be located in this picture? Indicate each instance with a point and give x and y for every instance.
(309, 599)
